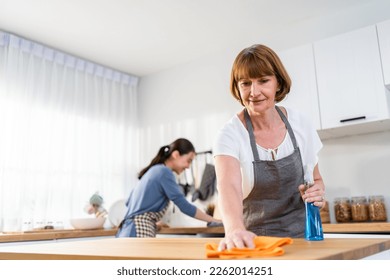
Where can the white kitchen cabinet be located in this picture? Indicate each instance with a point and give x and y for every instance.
(384, 46)
(350, 82)
(299, 63)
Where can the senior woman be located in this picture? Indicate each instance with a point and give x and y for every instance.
(260, 155)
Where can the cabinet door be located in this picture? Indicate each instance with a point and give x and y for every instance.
(384, 46)
(299, 63)
(349, 78)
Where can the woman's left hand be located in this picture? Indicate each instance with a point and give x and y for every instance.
(161, 225)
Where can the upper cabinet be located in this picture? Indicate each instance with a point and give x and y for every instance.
(299, 63)
(384, 46)
(349, 79)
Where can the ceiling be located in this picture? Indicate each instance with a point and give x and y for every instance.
(142, 37)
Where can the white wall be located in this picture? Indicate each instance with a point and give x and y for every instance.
(194, 101)
(191, 101)
(357, 165)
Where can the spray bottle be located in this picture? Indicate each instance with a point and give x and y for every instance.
(313, 228)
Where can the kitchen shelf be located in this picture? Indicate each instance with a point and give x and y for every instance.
(327, 228)
(357, 228)
(191, 230)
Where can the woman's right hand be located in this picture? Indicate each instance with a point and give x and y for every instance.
(237, 239)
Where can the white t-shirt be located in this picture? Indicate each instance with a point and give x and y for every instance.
(233, 140)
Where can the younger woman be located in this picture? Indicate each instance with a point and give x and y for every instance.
(149, 200)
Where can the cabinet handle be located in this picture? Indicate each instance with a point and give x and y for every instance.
(353, 119)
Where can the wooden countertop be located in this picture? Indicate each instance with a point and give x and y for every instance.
(36, 235)
(187, 248)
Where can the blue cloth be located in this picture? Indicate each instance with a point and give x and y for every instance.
(152, 194)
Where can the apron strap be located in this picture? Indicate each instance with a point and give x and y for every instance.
(251, 135)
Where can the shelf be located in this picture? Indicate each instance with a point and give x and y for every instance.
(357, 228)
(191, 230)
(328, 228)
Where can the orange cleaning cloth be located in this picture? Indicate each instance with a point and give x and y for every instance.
(265, 246)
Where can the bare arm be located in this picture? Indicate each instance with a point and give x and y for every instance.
(200, 215)
(230, 197)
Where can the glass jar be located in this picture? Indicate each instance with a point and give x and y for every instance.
(342, 210)
(376, 208)
(359, 209)
(324, 213)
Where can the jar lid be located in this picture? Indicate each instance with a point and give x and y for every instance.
(359, 199)
(339, 199)
(376, 197)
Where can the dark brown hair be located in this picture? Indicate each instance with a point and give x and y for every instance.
(182, 145)
(255, 62)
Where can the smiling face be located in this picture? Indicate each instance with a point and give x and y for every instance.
(257, 71)
(258, 94)
(181, 162)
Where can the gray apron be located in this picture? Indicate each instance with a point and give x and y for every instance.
(274, 207)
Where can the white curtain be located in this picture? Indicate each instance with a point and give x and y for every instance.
(68, 129)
